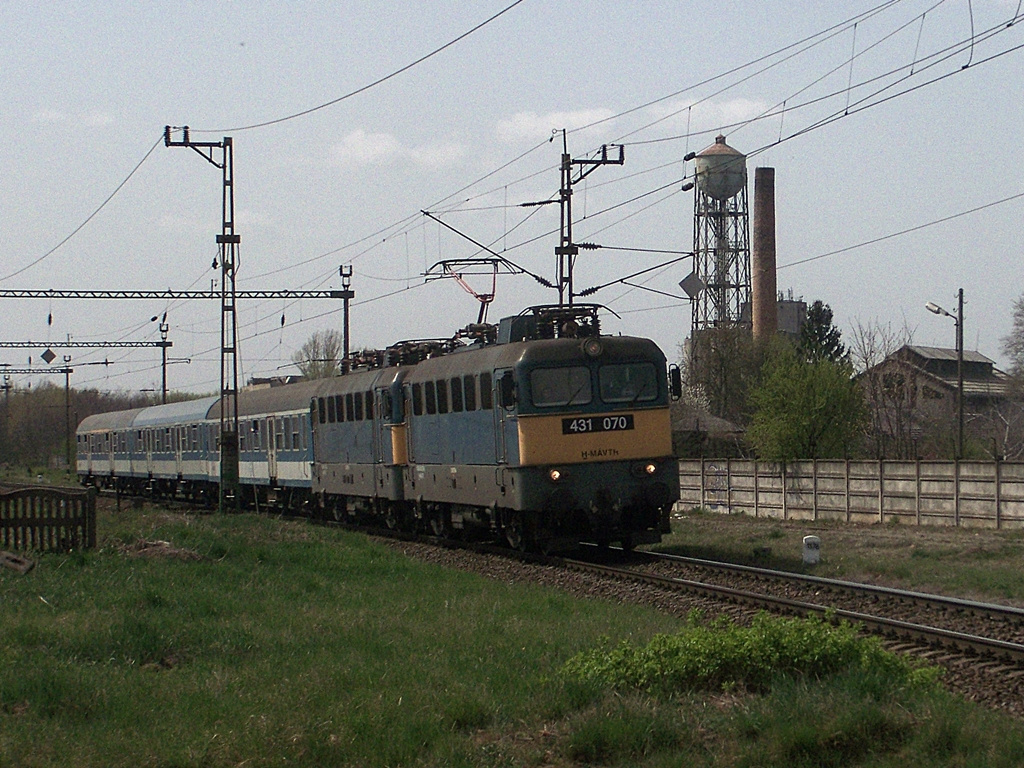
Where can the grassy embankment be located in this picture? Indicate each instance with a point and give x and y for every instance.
(251, 640)
(973, 563)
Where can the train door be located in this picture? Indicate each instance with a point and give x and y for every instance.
(179, 439)
(410, 411)
(380, 437)
(500, 415)
(110, 453)
(314, 420)
(273, 443)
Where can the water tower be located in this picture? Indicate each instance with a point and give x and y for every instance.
(721, 238)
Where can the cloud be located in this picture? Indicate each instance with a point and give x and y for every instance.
(96, 120)
(56, 117)
(362, 148)
(529, 126)
(706, 116)
(49, 116)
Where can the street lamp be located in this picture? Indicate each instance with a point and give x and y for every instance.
(958, 320)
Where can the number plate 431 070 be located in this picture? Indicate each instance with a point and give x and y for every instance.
(585, 424)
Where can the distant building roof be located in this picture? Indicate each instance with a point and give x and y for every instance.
(941, 353)
(982, 380)
(688, 418)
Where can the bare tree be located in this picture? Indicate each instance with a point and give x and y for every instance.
(1013, 344)
(889, 391)
(320, 357)
(721, 367)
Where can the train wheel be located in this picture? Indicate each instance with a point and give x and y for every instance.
(514, 529)
(439, 525)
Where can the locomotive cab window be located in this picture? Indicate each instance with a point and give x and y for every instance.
(560, 386)
(628, 383)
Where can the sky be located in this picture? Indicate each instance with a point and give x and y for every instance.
(896, 130)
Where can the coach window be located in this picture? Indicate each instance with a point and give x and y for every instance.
(430, 396)
(560, 386)
(469, 385)
(339, 404)
(457, 395)
(628, 383)
(296, 427)
(358, 400)
(417, 399)
(278, 434)
(486, 392)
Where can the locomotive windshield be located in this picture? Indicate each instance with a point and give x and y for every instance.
(560, 386)
(628, 383)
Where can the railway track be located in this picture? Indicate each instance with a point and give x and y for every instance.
(929, 623)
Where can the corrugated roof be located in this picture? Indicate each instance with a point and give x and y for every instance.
(941, 353)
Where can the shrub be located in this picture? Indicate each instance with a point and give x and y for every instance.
(723, 656)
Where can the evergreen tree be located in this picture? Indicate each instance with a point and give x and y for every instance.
(819, 339)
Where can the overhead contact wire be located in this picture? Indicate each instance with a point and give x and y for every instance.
(367, 87)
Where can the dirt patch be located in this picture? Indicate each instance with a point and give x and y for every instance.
(159, 548)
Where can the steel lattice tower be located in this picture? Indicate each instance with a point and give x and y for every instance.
(721, 238)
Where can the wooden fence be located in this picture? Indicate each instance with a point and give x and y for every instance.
(966, 493)
(55, 519)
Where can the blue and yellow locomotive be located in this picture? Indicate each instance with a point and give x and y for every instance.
(540, 431)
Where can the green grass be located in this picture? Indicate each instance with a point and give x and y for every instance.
(291, 644)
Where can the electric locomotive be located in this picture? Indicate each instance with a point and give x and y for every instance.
(540, 431)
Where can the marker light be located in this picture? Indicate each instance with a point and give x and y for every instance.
(555, 475)
(650, 469)
(593, 347)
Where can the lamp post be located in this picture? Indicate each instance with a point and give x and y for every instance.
(958, 320)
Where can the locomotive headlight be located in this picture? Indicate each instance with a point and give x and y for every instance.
(593, 347)
(555, 475)
(645, 470)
